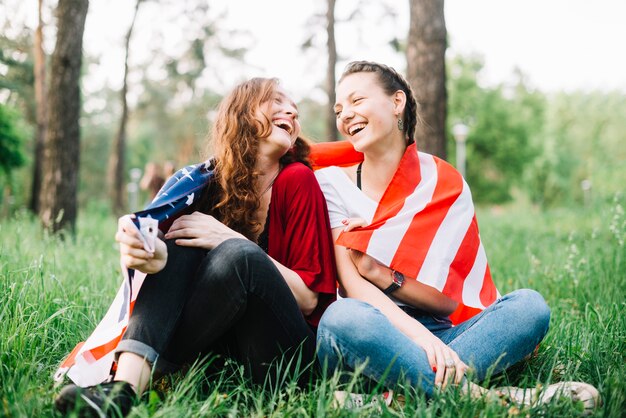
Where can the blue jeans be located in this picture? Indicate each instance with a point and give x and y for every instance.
(351, 332)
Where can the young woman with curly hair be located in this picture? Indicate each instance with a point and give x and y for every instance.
(246, 272)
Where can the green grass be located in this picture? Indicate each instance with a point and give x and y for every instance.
(54, 292)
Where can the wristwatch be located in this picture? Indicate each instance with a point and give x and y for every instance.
(398, 279)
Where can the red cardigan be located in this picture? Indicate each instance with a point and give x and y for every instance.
(299, 235)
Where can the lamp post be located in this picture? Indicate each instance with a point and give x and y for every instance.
(460, 131)
(585, 185)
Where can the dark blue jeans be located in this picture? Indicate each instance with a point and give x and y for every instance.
(231, 300)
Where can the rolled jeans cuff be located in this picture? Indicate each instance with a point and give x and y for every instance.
(159, 364)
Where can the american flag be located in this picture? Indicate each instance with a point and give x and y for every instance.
(424, 226)
(91, 362)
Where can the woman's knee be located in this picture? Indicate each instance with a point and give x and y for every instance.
(238, 262)
(532, 306)
(348, 317)
(348, 325)
(234, 253)
(237, 249)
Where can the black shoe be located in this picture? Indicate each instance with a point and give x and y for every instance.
(113, 399)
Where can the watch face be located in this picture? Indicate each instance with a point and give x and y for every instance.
(398, 278)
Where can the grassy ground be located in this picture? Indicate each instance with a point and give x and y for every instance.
(52, 294)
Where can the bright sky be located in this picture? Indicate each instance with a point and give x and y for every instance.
(559, 44)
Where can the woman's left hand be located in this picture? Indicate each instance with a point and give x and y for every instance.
(200, 230)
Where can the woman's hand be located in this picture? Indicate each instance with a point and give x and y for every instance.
(132, 252)
(352, 223)
(367, 266)
(444, 361)
(200, 230)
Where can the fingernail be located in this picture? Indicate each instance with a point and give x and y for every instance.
(344, 221)
(434, 369)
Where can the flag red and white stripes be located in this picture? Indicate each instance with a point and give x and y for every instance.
(425, 227)
(91, 362)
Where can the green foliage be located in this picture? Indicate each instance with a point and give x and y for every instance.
(169, 100)
(95, 143)
(583, 139)
(502, 124)
(545, 145)
(160, 131)
(18, 78)
(17, 99)
(17, 110)
(521, 142)
(312, 120)
(12, 137)
(54, 292)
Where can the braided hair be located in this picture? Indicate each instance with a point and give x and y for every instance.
(391, 81)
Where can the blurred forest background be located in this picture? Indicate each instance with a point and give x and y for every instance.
(523, 146)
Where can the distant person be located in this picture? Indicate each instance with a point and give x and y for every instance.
(246, 271)
(153, 179)
(168, 169)
(410, 259)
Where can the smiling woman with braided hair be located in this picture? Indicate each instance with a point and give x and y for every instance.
(409, 257)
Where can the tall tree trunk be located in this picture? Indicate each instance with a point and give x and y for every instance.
(426, 71)
(117, 191)
(40, 103)
(331, 120)
(62, 147)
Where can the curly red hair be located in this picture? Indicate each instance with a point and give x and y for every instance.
(236, 134)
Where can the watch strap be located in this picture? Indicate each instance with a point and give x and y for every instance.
(392, 288)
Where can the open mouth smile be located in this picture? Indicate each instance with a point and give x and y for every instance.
(356, 128)
(284, 124)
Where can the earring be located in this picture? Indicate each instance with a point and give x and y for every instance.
(400, 124)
